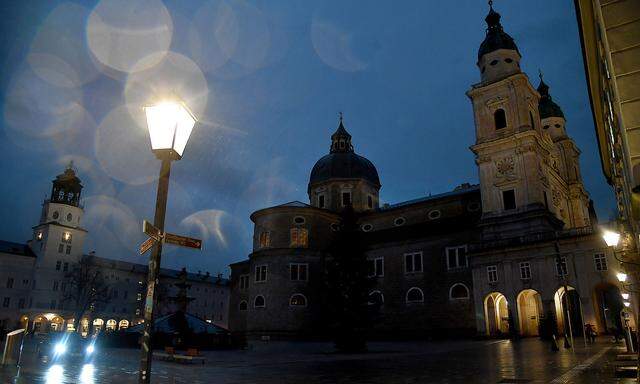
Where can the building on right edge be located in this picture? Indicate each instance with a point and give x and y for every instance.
(610, 38)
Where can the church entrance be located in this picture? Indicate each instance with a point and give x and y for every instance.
(568, 315)
(496, 312)
(529, 309)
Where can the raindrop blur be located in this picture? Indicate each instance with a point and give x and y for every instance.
(122, 147)
(58, 52)
(175, 76)
(121, 32)
(333, 46)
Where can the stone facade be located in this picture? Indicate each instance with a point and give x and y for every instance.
(488, 259)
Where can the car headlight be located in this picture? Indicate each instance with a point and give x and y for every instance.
(60, 348)
(90, 349)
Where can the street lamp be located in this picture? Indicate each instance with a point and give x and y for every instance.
(611, 238)
(170, 125)
(622, 277)
(625, 296)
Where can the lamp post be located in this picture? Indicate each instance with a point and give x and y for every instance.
(612, 239)
(170, 125)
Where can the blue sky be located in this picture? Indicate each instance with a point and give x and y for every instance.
(266, 80)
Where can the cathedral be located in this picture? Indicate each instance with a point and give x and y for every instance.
(492, 259)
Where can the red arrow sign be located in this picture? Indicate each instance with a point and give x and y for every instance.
(182, 241)
(144, 247)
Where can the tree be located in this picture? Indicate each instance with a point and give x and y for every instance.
(87, 288)
(347, 286)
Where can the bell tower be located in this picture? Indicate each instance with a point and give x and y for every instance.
(57, 240)
(512, 152)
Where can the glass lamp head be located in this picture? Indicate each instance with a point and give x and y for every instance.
(170, 125)
(625, 296)
(622, 277)
(611, 238)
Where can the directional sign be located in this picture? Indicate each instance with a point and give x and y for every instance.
(144, 247)
(182, 241)
(151, 230)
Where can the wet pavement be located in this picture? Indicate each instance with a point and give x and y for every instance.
(488, 361)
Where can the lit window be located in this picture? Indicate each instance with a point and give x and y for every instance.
(299, 238)
(265, 239)
(509, 199)
(261, 273)
(66, 237)
(376, 267)
(561, 266)
(138, 312)
(601, 262)
(413, 262)
(139, 297)
(492, 273)
(458, 291)
(456, 257)
(298, 300)
(259, 302)
(298, 272)
(39, 236)
(525, 270)
(415, 295)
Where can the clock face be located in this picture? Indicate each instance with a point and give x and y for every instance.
(56, 215)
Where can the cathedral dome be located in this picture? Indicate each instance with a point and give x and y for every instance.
(547, 107)
(342, 162)
(496, 37)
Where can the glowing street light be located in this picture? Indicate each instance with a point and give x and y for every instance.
(622, 277)
(625, 296)
(611, 238)
(627, 304)
(170, 125)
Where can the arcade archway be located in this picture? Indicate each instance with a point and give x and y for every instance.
(529, 310)
(97, 325)
(496, 312)
(609, 303)
(568, 311)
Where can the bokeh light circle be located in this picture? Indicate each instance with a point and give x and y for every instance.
(122, 32)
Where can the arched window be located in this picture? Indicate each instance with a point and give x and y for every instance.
(298, 300)
(414, 295)
(259, 302)
(123, 324)
(243, 305)
(500, 118)
(458, 291)
(375, 298)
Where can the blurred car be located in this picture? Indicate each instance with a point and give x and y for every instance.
(68, 346)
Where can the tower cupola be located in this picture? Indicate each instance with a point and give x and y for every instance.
(343, 177)
(551, 116)
(498, 56)
(66, 187)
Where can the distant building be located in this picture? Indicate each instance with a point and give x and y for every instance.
(487, 259)
(33, 276)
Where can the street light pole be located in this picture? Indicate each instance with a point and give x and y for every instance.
(563, 271)
(154, 271)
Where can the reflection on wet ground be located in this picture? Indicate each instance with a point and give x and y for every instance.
(488, 361)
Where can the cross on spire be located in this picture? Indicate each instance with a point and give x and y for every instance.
(340, 116)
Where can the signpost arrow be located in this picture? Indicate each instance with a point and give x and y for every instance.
(182, 241)
(144, 247)
(151, 230)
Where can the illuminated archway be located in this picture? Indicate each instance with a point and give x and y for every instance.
(97, 325)
(529, 310)
(57, 324)
(496, 312)
(123, 324)
(111, 325)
